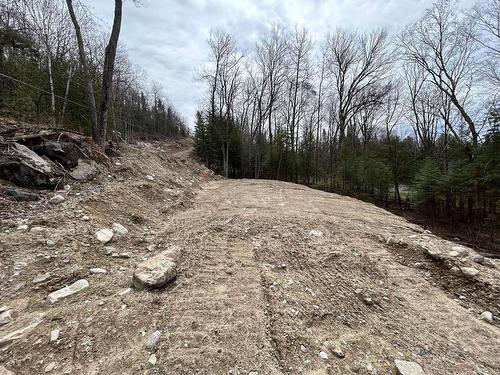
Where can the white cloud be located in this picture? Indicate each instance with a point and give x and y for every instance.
(167, 39)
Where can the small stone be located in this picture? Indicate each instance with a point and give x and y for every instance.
(151, 247)
(152, 340)
(487, 316)
(36, 230)
(323, 355)
(315, 233)
(104, 235)
(95, 271)
(337, 350)
(124, 255)
(51, 243)
(408, 368)
(67, 291)
(253, 373)
(22, 227)
(56, 199)
(303, 349)
(40, 278)
(5, 317)
(368, 300)
(484, 261)
(152, 360)
(125, 292)
(462, 251)
(392, 241)
(51, 366)
(54, 335)
(149, 177)
(85, 218)
(119, 229)
(469, 272)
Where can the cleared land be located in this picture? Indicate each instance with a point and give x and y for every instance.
(270, 274)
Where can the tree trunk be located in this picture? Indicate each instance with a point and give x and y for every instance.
(107, 75)
(89, 90)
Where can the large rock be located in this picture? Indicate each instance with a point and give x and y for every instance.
(25, 167)
(155, 272)
(408, 368)
(67, 291)
(85, 170)
(64, 153)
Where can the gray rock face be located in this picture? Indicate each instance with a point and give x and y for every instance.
(104, 235)
(155, 272)
(56, 199)
(69, 290)
(152, 340)
(408, 368)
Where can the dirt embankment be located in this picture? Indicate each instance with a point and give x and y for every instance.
(273, 278)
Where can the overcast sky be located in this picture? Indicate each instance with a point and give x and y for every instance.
(167, 38)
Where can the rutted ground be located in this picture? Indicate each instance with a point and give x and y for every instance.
(270, 275)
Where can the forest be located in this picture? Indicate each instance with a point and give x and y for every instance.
(410, 119)
(42, 78)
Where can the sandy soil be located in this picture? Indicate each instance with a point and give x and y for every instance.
(270, 275)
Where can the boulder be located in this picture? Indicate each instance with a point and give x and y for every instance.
(24, 167)
(408, 368)
(155, 272)
(67, 291)
(65, 153)
(85, 170)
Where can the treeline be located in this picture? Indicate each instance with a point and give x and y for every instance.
(412, 119)
(41, 75)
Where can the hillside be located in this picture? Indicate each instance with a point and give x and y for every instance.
(272, 278)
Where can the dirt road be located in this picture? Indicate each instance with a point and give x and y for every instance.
(274, 278)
